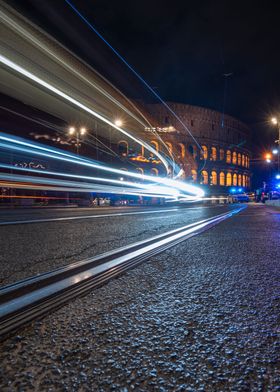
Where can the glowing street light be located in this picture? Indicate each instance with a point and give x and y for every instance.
(77, 133)
(72, 130)
(275, 121)
(274, 151)
(268, 156)
(118, 123)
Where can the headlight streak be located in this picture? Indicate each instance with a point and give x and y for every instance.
(4, 60)
(123, 183)
(40, 45)
(20, 145)
(25, 30)
(31, 148)
(29, 182)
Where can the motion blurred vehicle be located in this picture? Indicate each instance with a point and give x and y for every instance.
(238, 198)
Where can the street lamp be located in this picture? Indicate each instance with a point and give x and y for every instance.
(118, 123)
(268, 157)
(275, 121)
(77, 133)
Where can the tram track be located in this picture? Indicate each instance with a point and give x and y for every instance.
(34, 297)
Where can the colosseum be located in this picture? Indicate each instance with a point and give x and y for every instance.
(219, 159)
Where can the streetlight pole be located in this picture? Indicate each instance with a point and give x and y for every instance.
(77, 133)
(275, 121)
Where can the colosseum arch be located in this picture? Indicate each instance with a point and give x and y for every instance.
(192, 150)
(123, 147)
(243, 180)
(228, 156)
(213, 153)
(182, 149)
(239, 180)
(234, 179)
(214, 178)
(234, 158)
(239, 159)
(169, 146)
(140, 170)
(154, 171)
(194, 175)
(204, 152)
(155, 144)
(222, 154)
(222, 179)
(229, 179)
(243, 160)
(204, 175)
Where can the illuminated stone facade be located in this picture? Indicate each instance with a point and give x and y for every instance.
(224, 157)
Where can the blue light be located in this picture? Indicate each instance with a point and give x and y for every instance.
(232, 190)
(240, 189)
(277, 176)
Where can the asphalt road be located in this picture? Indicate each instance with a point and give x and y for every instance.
(202, 316)
(32, 248)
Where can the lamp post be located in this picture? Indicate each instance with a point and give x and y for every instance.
(77, 133)
(118, 122)
(275, 121)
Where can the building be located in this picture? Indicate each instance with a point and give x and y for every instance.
(219, 159)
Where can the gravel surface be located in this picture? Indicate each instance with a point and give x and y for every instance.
(31, 249)
(202, 316)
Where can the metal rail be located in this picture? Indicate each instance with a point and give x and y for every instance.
(28, 299)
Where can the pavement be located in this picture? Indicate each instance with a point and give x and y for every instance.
(202, 316)
(31, 249)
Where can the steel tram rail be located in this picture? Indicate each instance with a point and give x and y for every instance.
(34, 297)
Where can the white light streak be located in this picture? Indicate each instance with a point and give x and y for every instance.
(48, 86)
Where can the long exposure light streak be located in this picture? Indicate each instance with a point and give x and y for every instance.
(47, 49)
(122, 183)
(33, 34)
(4, 60)
(132, 70)
(22, 146)
(42, 183)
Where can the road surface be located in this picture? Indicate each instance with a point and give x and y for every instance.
(59, 238)
(202, 316)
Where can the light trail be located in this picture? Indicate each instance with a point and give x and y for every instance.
(133, 71)
(20, 145)
(4, 60)
(154, 191)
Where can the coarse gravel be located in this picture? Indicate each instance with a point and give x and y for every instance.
(202, 316)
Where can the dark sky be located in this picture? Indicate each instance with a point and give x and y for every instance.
(182, 48)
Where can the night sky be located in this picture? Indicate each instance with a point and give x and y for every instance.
(183, 49)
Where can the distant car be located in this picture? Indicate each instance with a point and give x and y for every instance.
(274, 195)
(238, 198)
